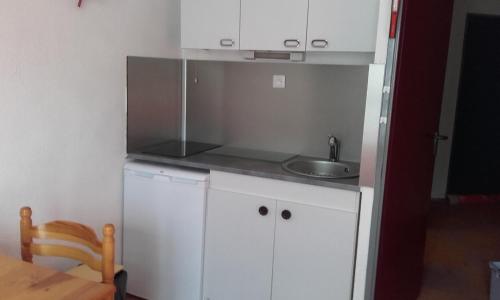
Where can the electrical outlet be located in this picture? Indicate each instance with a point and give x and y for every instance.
(279, 81)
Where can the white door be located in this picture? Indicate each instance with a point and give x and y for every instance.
(210, 24)
(342, 25)
(278, 25)
(163, 237)
(314, 253)
(238, 247)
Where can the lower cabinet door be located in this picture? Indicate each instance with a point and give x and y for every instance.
(314, 253)
(238, 246)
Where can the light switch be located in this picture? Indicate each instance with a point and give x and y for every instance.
(279, 81)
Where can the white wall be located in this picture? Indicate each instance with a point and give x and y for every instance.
(450, 94)
(62, 104)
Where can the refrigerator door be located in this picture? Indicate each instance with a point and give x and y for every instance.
(164, 211)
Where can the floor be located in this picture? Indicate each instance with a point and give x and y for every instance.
(461, 240)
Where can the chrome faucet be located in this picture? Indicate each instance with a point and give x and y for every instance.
(334, 148)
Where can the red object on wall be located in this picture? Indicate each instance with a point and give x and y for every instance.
(418, 90)
(394, 19)
(80, 3)
(394, 24)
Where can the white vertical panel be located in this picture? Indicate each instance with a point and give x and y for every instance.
(372, 125)
(384, 24)
(366, 251)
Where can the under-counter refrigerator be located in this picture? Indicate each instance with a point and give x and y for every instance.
(164, 212)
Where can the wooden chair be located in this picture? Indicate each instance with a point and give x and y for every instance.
(102, 270)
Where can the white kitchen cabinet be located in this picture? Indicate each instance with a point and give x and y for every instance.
(273, 25)
(314, 253)
(302, 246)
(238, 247)
(342, 25)
(210, 24)
(327, 31)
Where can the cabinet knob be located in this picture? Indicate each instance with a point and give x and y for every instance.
(286, 214)
(263, 211)
(291, 43)
(319, 43)
(226, 42)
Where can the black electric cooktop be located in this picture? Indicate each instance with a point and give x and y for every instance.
(178, 148)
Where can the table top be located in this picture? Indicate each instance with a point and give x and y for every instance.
(20, 280)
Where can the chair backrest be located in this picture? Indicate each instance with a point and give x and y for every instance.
(69, 232)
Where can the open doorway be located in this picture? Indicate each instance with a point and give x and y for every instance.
(463, 231)
(474, 163)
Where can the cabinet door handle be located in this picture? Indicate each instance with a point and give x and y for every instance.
(286, 214)
(319, 43)
(263, 211)
(226, 42)
(291, 43)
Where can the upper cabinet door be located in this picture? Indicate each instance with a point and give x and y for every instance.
(210, 24)
(314, 253)
(275, 25)
(342, 25)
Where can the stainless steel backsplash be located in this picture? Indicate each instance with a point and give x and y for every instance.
(235, 104)
(153, 101)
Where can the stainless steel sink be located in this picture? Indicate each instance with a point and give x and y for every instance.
(319, 168)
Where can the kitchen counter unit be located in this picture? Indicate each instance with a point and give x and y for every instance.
(247, 166)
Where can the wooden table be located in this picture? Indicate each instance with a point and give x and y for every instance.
(20, 280)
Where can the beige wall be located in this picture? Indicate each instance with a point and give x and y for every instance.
(62, 104)
(450, 94)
